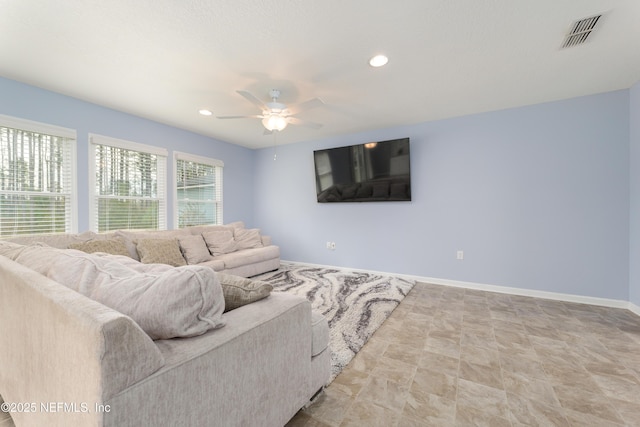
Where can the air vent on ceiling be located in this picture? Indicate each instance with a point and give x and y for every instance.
(580, 31)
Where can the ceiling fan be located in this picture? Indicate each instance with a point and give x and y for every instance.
(275, 115)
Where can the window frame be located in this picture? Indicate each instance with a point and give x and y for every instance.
(219, 168)
(162, 155)
(72, 139)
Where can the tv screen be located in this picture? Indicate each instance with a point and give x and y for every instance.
(371, 172)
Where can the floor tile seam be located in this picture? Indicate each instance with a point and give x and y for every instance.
(559, 405)
(601, 396)
(620, 415)
(414, 366)
(347, 409)
(325, 421)
(501, 373)
(406, 400)
(551, 377)
(512, 412)
(370, 401)
(625, 373)
(455, 409)
(613, 423)
(612, 399)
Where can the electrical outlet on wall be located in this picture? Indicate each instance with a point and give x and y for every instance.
(460, 255)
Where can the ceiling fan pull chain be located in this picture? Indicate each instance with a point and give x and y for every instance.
(275, 146)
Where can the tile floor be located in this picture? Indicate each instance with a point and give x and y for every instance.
(455, 357)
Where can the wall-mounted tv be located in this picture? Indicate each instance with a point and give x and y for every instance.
(370, 172)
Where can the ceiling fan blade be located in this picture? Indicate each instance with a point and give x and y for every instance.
(307, 105)
(305, 123)
(267, 132)
(240, 117)
(252, 99)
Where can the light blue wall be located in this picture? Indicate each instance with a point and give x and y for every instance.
(537, 197)
(634, 244)
(28, 102)
(541, 197)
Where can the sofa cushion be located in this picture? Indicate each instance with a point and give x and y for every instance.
(56, 240)
(130, 237)
(319, 333)
(247, 238)
(216, 264)
(109, 246)
(165, 302)
(194, 249)
(199, 229)
(239, 291)
(220, 242)
(250, 256)
(135, 265)
(235, 225)
(160, 251)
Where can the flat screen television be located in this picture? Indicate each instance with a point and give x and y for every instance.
(370, 172)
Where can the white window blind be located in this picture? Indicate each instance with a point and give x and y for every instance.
(128, 185)
(37, 178)
(198, 190)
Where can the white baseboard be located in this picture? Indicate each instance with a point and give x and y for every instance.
(634, 308)
(580, 299)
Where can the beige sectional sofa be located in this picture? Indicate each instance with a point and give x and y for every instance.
(103, 340)
(231, 248)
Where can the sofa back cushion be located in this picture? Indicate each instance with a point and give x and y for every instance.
(130, 238)
(194, 249)
(220, 242)
(110, 246)
(247, 238)
(165, 302)
(199, 229)
(160, 251)
(56, 240)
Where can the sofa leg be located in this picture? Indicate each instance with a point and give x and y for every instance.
(314, 397)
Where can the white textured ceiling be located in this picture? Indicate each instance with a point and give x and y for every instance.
(166, 59)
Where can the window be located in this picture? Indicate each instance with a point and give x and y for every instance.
(37, 178)
(198, 190)
(127, 188)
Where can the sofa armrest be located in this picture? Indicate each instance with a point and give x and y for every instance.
(256, 370)
(266, 240)
(71, 349)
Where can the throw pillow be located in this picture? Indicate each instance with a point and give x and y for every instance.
(166, 303)
(239, 291)
(247, 238)
(194, 249)
(109, 246)
(160, 251)
(220, 242)
(131, 237)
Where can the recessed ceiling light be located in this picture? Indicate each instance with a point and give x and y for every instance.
(205, 112)
(378, 61)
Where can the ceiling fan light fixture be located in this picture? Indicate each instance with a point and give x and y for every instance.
(205, 112)
(378, 61)
(274, 122)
